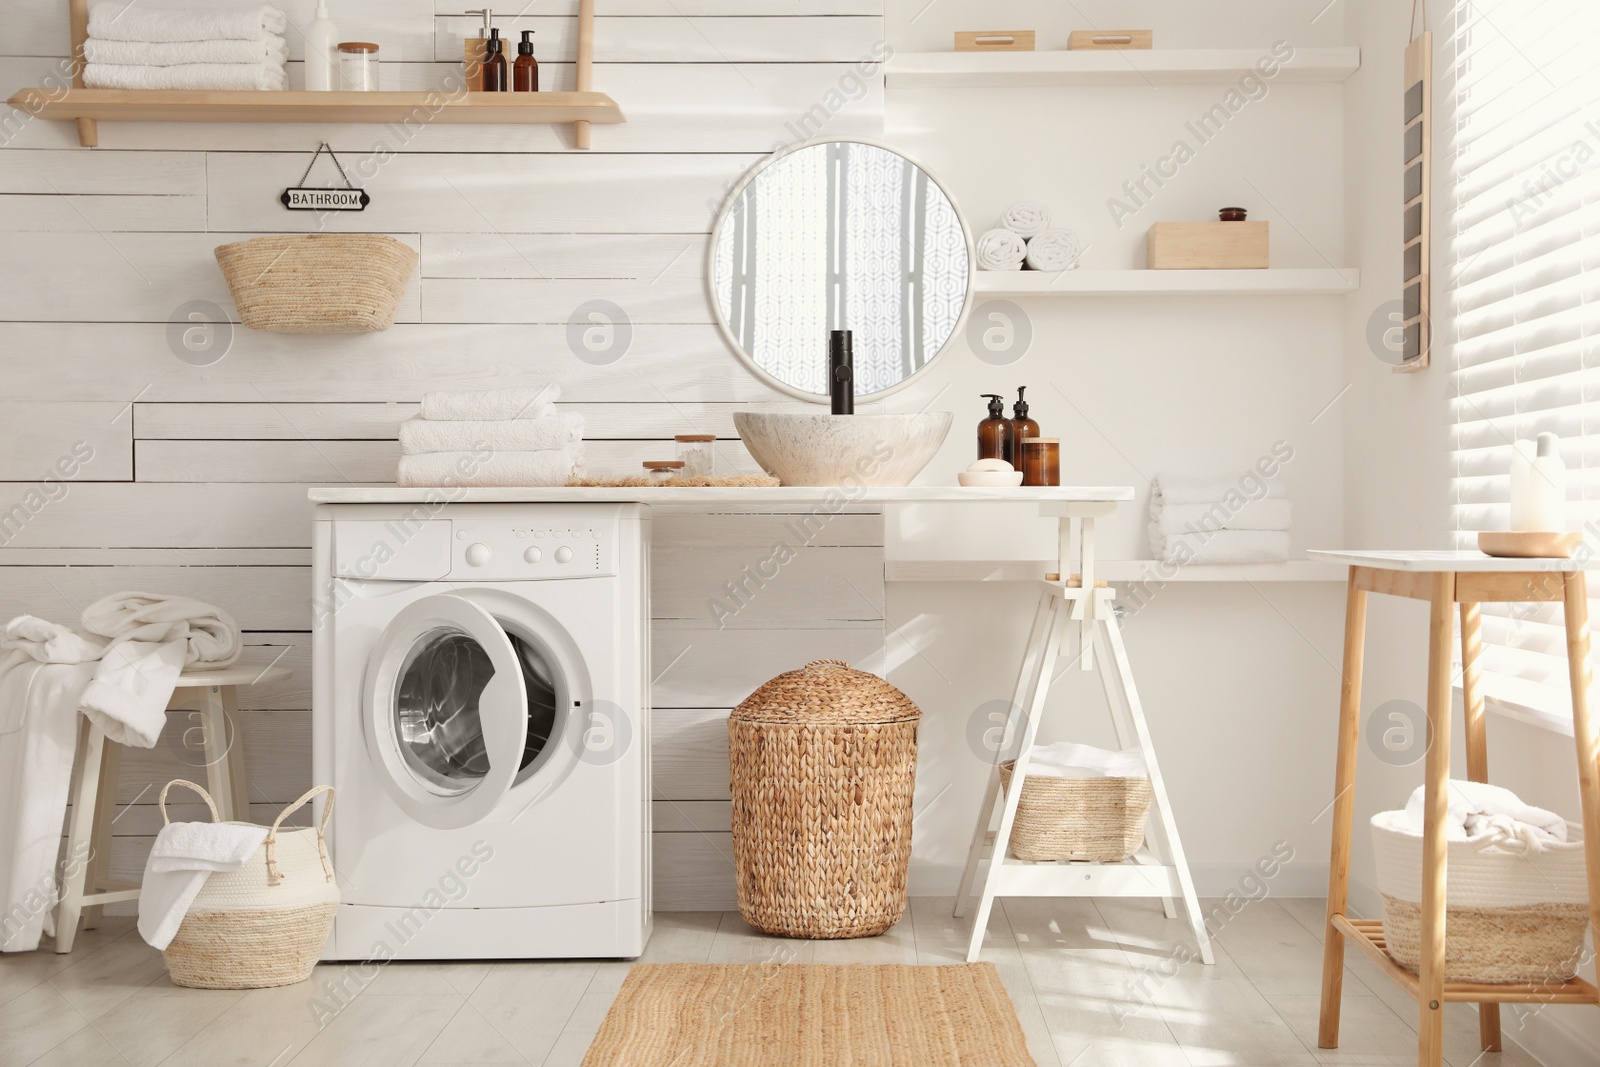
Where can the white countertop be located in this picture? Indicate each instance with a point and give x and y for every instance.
(725, 496)
(1436, 561)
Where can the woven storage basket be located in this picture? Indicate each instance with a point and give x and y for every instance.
(1099, 819)
(1511, 914)
(266, 923)
(823, 761)
(318, 282)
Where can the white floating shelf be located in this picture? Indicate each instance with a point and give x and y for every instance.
(1120, 67)
(1271, 282)
(1111, 570)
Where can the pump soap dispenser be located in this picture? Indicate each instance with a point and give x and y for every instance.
(525, 71)
(494, 67)
(995, 440)
(1022, 427)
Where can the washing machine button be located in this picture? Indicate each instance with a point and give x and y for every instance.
(563, 554)
(478, 555)
(533, 555)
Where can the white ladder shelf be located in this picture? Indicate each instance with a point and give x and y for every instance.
(1075, 612)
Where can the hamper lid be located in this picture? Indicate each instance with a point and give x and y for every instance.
(827, 691)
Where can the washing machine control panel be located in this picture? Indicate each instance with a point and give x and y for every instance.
(513, 550)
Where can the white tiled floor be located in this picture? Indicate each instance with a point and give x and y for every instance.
(1093, 983)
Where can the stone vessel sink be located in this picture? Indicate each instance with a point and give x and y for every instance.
(819, 449)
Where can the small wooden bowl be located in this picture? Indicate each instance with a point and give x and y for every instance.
(1528, 544)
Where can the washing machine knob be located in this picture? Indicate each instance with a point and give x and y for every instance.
(533, 555)
(478, 555)
(563, 554)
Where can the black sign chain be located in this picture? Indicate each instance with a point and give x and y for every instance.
(302, 198)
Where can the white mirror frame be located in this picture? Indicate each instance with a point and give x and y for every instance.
(711, 270)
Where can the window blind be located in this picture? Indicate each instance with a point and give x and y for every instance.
(1521, 162)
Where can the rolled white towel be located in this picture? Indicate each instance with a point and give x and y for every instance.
(1026, 218)
(265, 76)
(1054, 250)
(419, 435)
(268, 49)
(1177, 489)
(1273, 513)
(552, 467)
(1001, 250)
(491, 405)
(1225, 546)
(115, 21)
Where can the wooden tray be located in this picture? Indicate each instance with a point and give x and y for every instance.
(1522, 544)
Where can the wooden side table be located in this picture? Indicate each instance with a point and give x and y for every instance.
(86, 883)
(1450, 581)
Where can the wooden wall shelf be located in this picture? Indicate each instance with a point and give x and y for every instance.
(1112, 570)
(1274, 281)
(88, 107)
(1123, 67)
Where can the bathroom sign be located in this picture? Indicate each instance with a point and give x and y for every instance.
(298, 198)
(304, 198)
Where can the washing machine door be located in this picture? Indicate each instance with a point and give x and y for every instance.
(446, 711)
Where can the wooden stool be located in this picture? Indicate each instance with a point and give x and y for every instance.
(1445, 580)
(86, 883)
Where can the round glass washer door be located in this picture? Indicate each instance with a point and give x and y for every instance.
(455, 709)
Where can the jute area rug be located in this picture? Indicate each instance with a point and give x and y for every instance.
(805, 1015)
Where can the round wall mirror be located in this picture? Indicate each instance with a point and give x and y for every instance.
(839, 235)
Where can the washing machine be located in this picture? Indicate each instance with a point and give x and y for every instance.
(481, 708)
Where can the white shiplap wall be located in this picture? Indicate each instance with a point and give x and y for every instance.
(198, 475)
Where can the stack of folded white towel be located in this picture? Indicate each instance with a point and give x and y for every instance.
(133, 47)
(1024, 239)
(1197, 521)
(512, 437)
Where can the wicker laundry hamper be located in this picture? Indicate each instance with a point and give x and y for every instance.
(318, 282)
(1512, 914)
(1100, 819)
(266, 923)
(823, 762)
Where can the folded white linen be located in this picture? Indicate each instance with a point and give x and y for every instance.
(491, 405)
(1478, 809)
(1001, 250)
(1066, 759)
(115, 21)
(268, 49)
(1053, 250)
(50, 642)
(552, 467)
(1177, 489)
(38, 739)
(251, 76)
(418, 435)
(184, 855)
(153, 638)
(1272, 513)
(1224, 546)
(1025, 218)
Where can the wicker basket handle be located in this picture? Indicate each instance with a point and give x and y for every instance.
(162, 801)
(274, 875)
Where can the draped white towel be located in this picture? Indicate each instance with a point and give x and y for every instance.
(268, 49)
(418, 436)
(184, 855)
(1273, 513)
(1054, 250)
(1026, 218)
(491, 405)
(1001, 250)
(259, 76)
(1478, 809)
(1066, 759)
(115, 21)
(552, 467)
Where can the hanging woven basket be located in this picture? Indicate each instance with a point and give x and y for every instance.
(823, 763)
(318, 282)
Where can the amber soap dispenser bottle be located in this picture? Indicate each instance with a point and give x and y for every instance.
(494, 65)
(525, 71)
(995, 440)
(1022, 427)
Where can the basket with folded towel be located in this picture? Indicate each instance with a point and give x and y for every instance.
(1080, 803)
(131, 47)
(1196, 520)
(494, 437)
(1516, 895)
